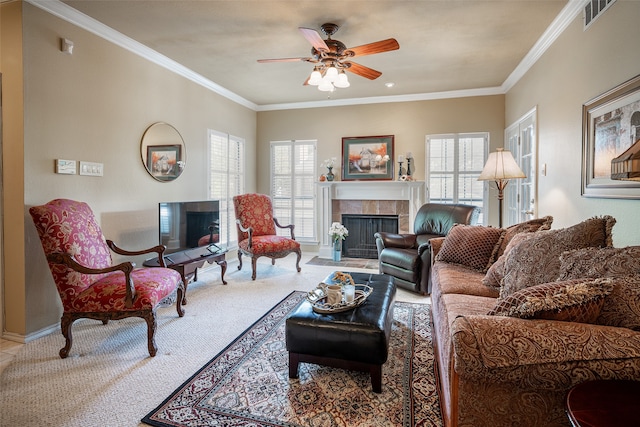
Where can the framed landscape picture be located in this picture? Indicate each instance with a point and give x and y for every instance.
(611, 124)
(367, 158)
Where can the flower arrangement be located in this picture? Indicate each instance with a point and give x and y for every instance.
(338, 231)
(329, 163)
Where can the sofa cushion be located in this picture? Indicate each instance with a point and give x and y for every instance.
(470, 245)
(622, 307)
(495, 273)
(599, 262)
(458, 279)
(578, 300)
(536, 258)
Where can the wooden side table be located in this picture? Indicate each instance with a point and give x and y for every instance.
(188, 262)
(604, 403)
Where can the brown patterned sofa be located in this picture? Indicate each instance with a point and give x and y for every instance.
(521, 315)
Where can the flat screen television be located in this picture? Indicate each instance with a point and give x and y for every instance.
(188, 225)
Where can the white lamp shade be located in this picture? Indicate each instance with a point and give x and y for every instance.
(342, 81)
(315, 78)
(331, 74)
(500, 165)
(325, 86)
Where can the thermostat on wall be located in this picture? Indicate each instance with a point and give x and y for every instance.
(67, 167)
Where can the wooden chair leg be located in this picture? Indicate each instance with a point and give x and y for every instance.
(150, 318)
(299, 253)
(180, 300)
(254, 266)
(239, 260)
(65, 324)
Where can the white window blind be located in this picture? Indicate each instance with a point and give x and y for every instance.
(226, 179)
(293, 172)
(454, 163)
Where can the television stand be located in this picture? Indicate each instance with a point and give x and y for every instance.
(188, 262)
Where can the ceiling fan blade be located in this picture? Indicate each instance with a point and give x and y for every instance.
(375, 47)
(363, 71)
(314, 38)
(286, 60)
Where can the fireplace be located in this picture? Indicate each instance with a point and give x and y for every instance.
(370, 198)
(360, 242)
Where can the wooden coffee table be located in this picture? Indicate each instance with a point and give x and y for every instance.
(604, 403)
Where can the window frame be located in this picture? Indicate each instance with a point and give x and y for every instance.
(296, 212)
(222, 167)
(457, 137)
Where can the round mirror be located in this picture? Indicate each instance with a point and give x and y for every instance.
(163, 152)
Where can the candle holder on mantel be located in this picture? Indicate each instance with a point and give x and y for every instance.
(409, 166)
(400, 171)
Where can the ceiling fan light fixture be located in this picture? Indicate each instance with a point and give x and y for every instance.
(326, 86)
(316, 78)
(342, 81)
(331, 74)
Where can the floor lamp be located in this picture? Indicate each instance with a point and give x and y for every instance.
(500, 168)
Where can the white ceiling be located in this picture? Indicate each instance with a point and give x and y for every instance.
(445, 45)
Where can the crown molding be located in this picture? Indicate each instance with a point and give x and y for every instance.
(73, 16)
(384, 99)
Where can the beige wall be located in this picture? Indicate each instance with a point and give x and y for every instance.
(14, 293)
(579, 66)
(95, 106)
(410, 122)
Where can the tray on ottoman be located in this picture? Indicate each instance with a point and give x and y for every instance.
(357, 339)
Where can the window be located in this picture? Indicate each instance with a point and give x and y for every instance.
(293, 172)
(454, 163)
(226, 179)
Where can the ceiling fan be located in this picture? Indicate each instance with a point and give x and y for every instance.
(333, 58)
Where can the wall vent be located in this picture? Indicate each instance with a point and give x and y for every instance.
(593, 9)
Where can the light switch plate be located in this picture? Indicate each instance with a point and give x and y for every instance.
(91, 169)
(66, 167)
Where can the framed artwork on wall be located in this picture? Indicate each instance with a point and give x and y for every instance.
(610, 125)
(367, 158)
(163, 161)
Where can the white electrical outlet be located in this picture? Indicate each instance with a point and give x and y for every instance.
(91, 169)
(66, 167)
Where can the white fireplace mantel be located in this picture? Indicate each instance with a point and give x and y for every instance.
(413, 191)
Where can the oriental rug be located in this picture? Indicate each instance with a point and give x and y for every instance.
(247, 384)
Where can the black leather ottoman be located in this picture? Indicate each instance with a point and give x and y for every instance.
(356, 340)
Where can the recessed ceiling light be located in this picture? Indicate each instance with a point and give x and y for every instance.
(390, 84)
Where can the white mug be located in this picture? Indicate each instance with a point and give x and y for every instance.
(334, 294)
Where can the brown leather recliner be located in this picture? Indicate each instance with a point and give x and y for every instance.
(407, 257)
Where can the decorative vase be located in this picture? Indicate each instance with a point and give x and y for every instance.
(330, 175)
(337, 250)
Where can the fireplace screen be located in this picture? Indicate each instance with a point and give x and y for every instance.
(360, 242)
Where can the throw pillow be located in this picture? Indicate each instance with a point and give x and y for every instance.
(536, 259)
(469, 245)
(576, 300)
(622, 307)
(493, 278)
(599, 262)
(538, 224)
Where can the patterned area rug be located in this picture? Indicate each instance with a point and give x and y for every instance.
(247, 384)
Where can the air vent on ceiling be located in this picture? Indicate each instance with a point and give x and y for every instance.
(593, 9)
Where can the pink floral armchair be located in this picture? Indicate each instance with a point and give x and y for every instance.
(257, 231)
(87, 282)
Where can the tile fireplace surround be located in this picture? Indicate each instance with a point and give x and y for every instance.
(367, 197)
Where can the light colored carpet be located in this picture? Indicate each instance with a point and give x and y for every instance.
(109, 378)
